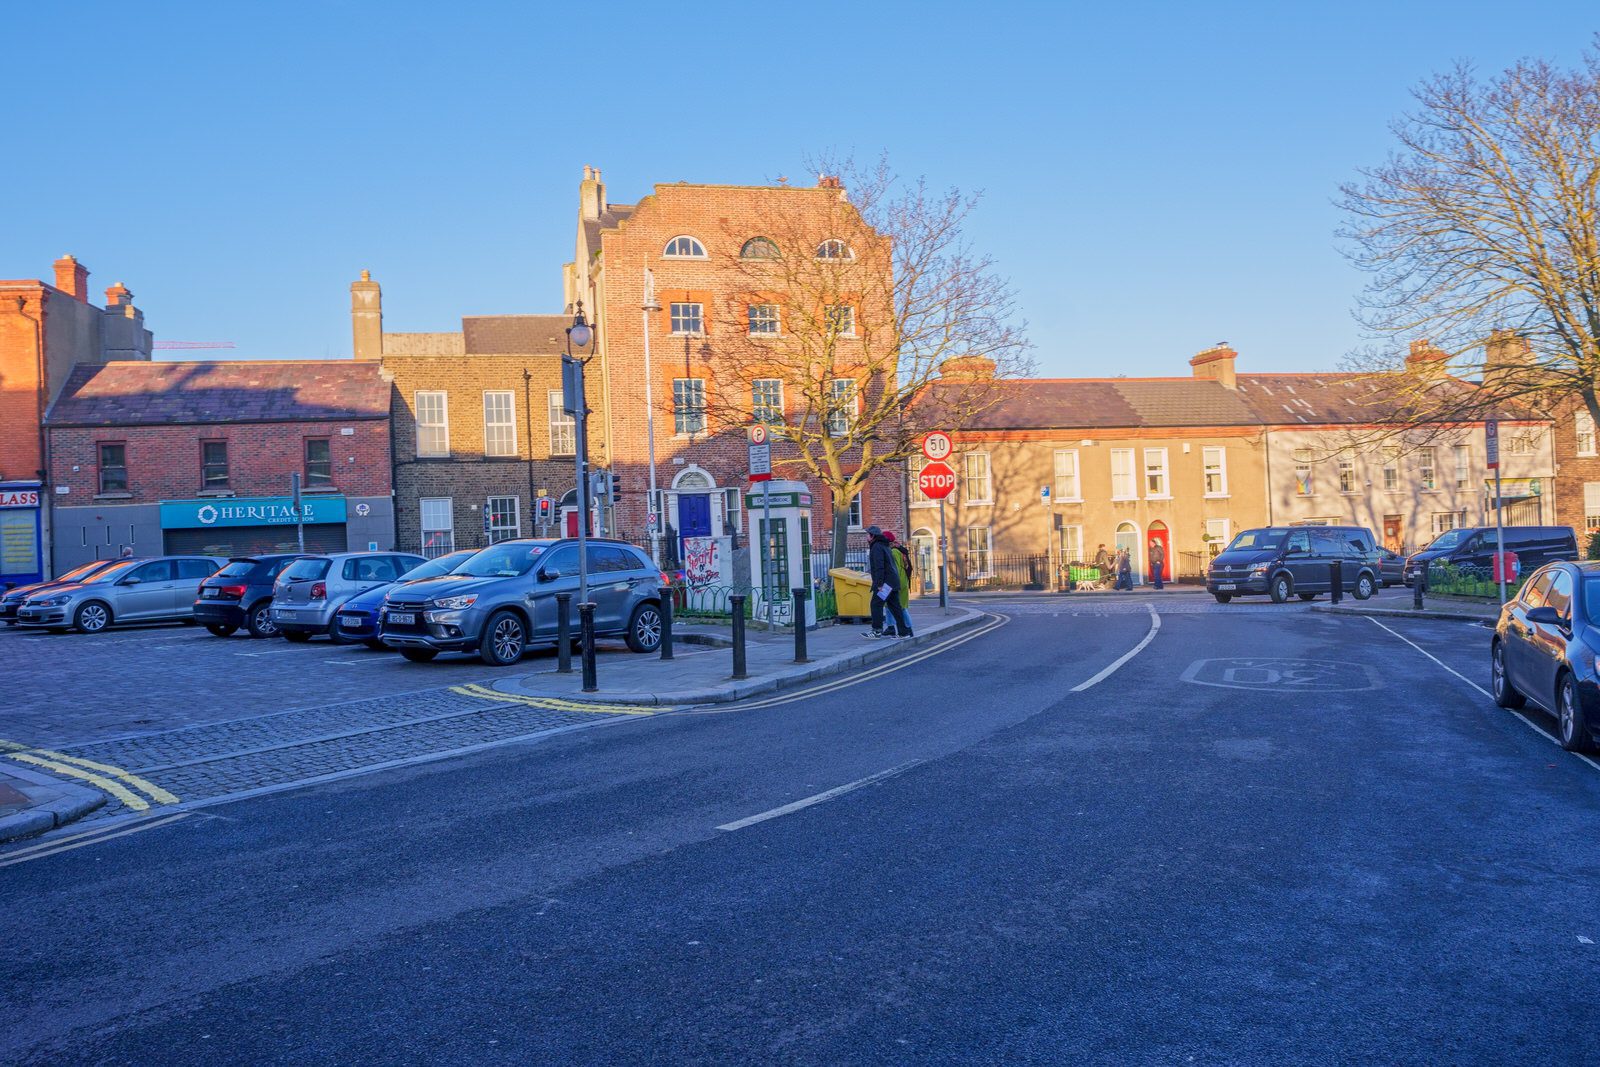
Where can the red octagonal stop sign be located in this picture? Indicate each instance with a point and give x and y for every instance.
(936, 481)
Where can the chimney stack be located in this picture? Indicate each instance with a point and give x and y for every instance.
(118, 296)
(591, 194)
(967, 369)
(829, 181)
(366, 317)
(1216, 363)
(72, 278)
(1426, 358)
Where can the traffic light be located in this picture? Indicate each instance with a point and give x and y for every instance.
(547, 510)
(616, 488)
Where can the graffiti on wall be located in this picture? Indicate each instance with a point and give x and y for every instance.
(702, 562)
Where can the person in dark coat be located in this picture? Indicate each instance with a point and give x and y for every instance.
(1158, 561)
(1124, 570)
(885, 575)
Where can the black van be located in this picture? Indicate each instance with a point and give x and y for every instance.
(1285, 561)
(1474, 546)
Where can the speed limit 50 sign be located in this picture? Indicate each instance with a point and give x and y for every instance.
(936, 446)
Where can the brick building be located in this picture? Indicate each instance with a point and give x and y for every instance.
(1577, 496)
(479, 434)
(45, 330)
(691, 239)
(198, 456)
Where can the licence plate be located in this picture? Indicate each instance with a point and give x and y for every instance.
(402, 618)
(212, 592)
(1227, 585)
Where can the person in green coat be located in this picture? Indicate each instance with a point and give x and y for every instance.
(902, 565)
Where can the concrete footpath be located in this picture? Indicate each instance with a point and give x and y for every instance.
(32, 802)
(1453, 608)
(700, 671)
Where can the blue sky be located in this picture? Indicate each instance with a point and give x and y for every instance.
(1157, 177)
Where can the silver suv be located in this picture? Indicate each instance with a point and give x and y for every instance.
(134, 590)
(502, 601)
(310, 591)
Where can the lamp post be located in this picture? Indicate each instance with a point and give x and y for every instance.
(527, 422)
(648, 305)
(580, 333)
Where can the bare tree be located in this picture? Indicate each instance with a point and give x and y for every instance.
(842, 314)
(1482, 235)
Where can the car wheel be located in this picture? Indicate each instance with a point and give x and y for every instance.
(505, 638)
(1573, 724)
(260, 621)
(299, 637)
(1280, 589)
(1307, 596)
(92, 617)
(1223, 598)
(1505, 694)
(1365, 587)
(375, 644)
(419, 655)
(219, 629)
(338, 638)
(644, 628)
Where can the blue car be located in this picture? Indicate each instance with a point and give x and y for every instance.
(357, 619)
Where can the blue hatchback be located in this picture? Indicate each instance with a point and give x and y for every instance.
(357, 619)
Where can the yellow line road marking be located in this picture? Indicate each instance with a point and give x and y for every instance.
(159, 795)
(53, 848)
(134, 801)
(548, 703)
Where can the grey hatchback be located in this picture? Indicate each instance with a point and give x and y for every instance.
(310, 591)
(502, 601)
(135, 590)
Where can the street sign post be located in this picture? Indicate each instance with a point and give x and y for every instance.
(1491, 440)
(936, 481)
(760, 454)
(299, 512)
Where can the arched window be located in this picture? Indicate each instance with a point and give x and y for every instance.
(833, 248)
(759, 248)
(684, 247)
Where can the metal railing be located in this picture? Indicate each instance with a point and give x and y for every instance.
(1468, 579)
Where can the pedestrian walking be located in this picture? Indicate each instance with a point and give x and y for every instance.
(902, 562)
(1158, 561)
(885, 575)
(1124, 570)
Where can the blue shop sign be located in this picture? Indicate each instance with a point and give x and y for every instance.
(249, 511)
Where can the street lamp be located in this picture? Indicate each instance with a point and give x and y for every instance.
(580, 333)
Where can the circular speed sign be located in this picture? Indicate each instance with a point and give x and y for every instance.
(936, 446)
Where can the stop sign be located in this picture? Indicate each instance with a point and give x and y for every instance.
(936, 481)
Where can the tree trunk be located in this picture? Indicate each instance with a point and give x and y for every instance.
(841, 534)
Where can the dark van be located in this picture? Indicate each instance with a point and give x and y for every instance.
(1285, 561)
(1474, 546)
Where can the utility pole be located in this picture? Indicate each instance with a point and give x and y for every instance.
(527, 416)
(652, 507)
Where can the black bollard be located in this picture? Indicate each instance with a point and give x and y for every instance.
(1418, 585)
(564, 633)
(800, 625)
(586, 633)
(736, 605)
(666, 622)
(1336, 580)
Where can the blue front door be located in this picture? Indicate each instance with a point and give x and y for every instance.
(694, 517)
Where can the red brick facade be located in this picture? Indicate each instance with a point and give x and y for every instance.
(1577, 466)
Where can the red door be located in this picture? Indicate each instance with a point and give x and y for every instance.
(1158, 532)
(572, 523)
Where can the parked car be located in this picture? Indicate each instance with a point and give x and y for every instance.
(311, 590)
(1285, 561)
(1391, 567)
(1475, 546)
(1544, 649)
(134, 590)
(240, 595)
(357, 619)
(13, 598)
(502, 601)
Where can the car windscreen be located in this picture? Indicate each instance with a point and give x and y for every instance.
(239, 568)
(1448, 540)
(1253, 540)
(432, 568)
(77, 574)
(113, 572)
(507, 560)
(306, 570)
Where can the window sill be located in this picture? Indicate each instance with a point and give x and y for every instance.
(432, 456)
(977, 503)
(1124, 500)
(113, 496)
(215, 493)
(684, 333)
(924, 503)
(1160, 496)
(1218, 496)
(314, 490)
(1069, 500)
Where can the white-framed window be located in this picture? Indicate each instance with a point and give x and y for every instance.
(1214, 464)
(1347, 474)
(1445, 520)
(843, 406)
(919, 499)
(760, 248)
(438, 525)
(855, 512)
(1216, 537)
(1522, 443)
(684, 247)
(1427, 475)
(842, 319)
(980, 550)
(1155, 474)
(1583, 424)
(1391, 469)
(505, 518)
(1463, 467)
(1591, 505)
(1072, 544)
(977, 489)
(1302, 471)
(1123, 484)
(764, 320)
(563, 428)
(1067, 487)
(731, 503)
(499, 423)
(688, 405)
(766, 400)
(433, 422)
(833, 248)
(688, 319)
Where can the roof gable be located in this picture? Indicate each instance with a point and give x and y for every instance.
(139, 393)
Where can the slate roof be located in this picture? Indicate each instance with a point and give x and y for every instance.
(612, 217)
(515, 335)
(139, 393)
(1101, 403)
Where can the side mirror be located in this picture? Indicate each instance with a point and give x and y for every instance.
(130, 580)
(549, 575)
(1546, 616)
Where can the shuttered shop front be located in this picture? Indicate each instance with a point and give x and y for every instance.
(240, 526)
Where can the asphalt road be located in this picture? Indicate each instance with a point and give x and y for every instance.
(1269, 836)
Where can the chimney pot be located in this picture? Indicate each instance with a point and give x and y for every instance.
(72, 277)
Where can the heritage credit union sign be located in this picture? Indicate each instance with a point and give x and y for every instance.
(249, 511)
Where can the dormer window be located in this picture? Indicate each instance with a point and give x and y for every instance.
(759, 248)
(833, 248)
(684, 247)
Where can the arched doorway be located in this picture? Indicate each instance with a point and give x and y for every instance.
(691, 506)
(1128, 540)
(1158, 533)
(924, 549)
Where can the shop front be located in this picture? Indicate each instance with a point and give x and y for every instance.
(21, 534)
(242, 526)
